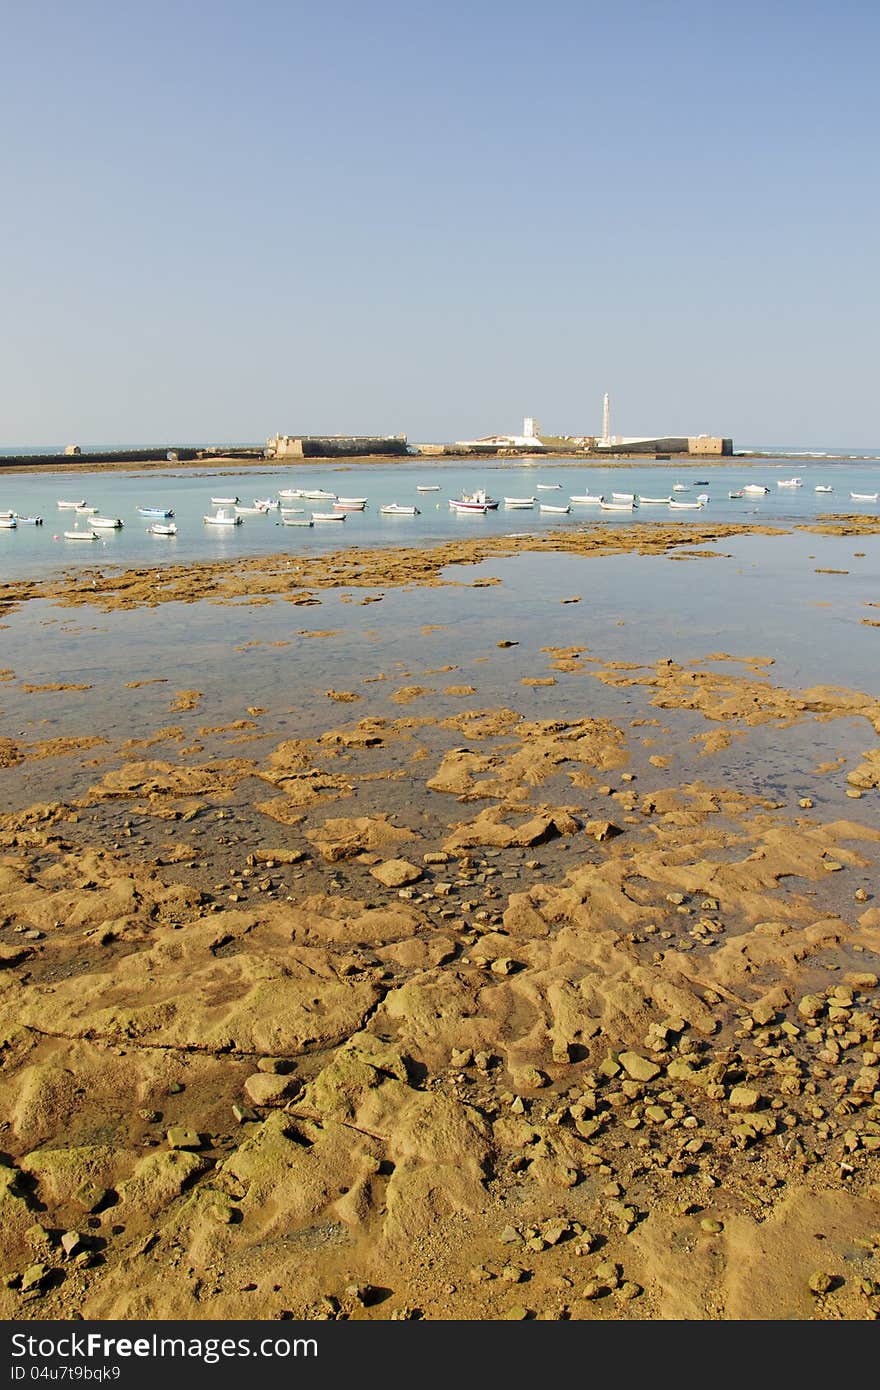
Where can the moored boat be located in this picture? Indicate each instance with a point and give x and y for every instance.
(653, 501)
(789, 482)
(160, 512)
(28, 520)
(623, 497)
(71, 506)
(77, 535)
(222, 517)
(588, 497)
(427, 487)
(296, 521)
(548, 487)
(398, 509)
(864, 496)
(755, 489)
(686, 506)
(162, 528)
(823, 487)
(547, 507)
(223, 501)
(616, 506)
(737, 492)
(8, 523)
(519, 501)
(328, 516)
(106, 523)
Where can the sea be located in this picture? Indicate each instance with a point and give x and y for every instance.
(34, 551)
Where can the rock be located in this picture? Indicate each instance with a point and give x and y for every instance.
(601, 829)
(820, 1282)
(504, 965)
(34, 1276)
(711, 1226)
(264, 1088)
(638, 1067)
(395, 873)
(517, 1313)
(744, 1098)
(179, 1137)
(528, 1079)
(811, 1005)
(71, 1243)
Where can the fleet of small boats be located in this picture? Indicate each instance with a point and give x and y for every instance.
(230, 510)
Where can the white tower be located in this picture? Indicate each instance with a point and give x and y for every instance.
(530, 427)
(606, 419)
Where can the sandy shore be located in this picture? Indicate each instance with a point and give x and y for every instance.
(444, 1015)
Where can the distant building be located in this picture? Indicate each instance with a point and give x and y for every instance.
(282, 446)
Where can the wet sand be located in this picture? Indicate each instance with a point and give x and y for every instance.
(448, 1011)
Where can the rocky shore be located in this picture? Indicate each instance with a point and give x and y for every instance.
(442, 1015)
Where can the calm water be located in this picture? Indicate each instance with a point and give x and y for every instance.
(36, 551)
(762, 596)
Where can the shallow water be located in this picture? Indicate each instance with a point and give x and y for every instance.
(761, 598)
(36, 551)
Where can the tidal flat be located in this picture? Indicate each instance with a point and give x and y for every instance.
(479, 931)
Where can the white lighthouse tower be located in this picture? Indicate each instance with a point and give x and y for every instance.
(606, 419)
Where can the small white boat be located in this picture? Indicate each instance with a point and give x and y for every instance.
(864, 496)
(789, 482)
(71, 506)
(519, 501)
(319, 495)
(328, 516)
(755, 489)
(396, 509)
(106, 523)
(223, 501)
(548, 487)
(266, 504)
(822, 487)
(291, 492)
(738, 492)
(81, 535)
(681, 487)
(653, 501)
(478, 501)
(545, 507)
(686, 506)
(296, 521)
(703, 497)
(85, 510)
(162, 528)
(427, 487)
(8, 523)
(28, 520)
(350, 504)
(588, 497)
(9, 512)
(623, 497)
(250, 511)
(222, 517)
(160, 512)
(616, 506)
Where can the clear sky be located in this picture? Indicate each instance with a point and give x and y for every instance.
(222, 220)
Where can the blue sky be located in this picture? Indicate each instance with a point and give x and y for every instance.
(223, 220)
